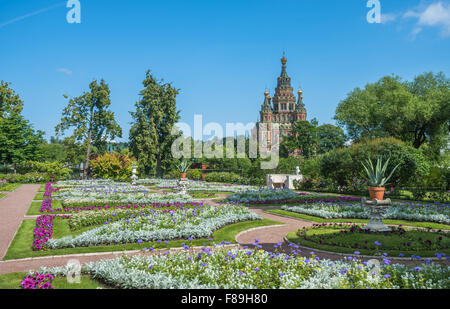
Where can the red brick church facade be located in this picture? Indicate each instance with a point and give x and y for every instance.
(283, 109)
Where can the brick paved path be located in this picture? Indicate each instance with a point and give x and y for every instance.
(13, 207)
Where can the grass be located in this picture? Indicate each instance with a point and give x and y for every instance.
(2, 195)
(202, 195)
(9, 187)
(432, 225)
(330, 238)
(36, 206)
(21, 244)
(12, 281)
(39, 196)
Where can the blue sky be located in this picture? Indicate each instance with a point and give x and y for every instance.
(221, 54)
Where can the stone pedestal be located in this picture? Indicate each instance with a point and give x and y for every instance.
(280, 181)
(182, 184)
(377, 210)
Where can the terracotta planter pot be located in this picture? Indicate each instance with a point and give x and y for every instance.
(203, 176)
(376, 193)
(183, 175)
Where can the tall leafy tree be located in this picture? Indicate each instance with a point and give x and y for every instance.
(303, 138)
(153, 120)
(416, 112)
(330, 137)
(91, 119)
(18, 140)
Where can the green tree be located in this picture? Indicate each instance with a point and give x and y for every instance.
(18, 140)
(330, 137)
(52, 152)
(91, 119)
(304, 138)
(151, 132)
(416, 112)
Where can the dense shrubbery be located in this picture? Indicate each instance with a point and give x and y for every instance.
(26, 178)
(340, 170)
(112, 166)
(53, 169)
(225, 177)
(342, 165)
(194, 174)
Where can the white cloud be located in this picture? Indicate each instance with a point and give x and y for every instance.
(435, 15)
(65, 71)
(388, 17)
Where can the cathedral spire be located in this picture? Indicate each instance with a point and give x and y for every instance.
(283, 67)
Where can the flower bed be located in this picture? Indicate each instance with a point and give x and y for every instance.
(439, 213)
(283, 196)
(198, 222)
(114, 213)
(347, 238)
(43, 231)
(256, 269)
(263, 195)
(37, 281)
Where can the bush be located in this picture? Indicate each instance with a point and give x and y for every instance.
(194, 174)
(311, 167)
(343, 166)
(338, 166)
(54, 170)
(27, 178)
(112, 166)
(413, 163)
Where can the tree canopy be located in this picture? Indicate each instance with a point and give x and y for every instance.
(153, 120)
(18, 140)
(415, 112)
(90, 118)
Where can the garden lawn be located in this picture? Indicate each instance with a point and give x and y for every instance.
(21, 244)
(35, 208)
(291, 214)
(12, 281)
(348, 240)
(39, 196)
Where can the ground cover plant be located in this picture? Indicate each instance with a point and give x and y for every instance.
(196, 222)
(21, 245)
(15, 280)
(257, 269)
(9, 187)
(423, 212)
(427, 225)
(268, 197)
(348, 238)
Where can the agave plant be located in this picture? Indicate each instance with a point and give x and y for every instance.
(376, 174)
(184, 166)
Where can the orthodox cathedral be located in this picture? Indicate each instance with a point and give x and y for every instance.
(283, 109)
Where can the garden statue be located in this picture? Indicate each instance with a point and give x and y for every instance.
(297, 170)
(377, 210)
(133, 176)
(182, 184)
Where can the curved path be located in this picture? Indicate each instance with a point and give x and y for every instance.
(13, 210)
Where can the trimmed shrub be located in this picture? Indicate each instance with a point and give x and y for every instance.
(194, 174)
(112, 166)
(342, 166)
